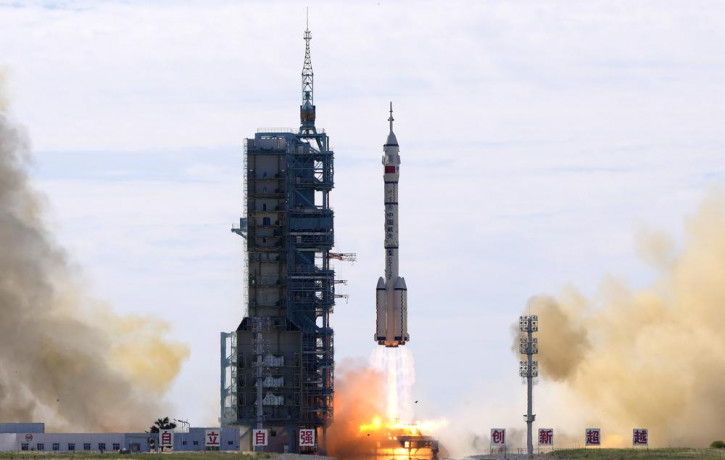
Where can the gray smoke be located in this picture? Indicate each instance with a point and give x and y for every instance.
(65, 358)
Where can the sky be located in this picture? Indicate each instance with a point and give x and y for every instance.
(537, 138)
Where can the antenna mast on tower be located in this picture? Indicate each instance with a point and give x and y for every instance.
(307, 109)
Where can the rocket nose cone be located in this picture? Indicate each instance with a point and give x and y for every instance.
(392, 140)
(400, 283)
(381, 283)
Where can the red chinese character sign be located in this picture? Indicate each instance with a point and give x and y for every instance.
(593, 437)
(307, 438)
(546, 436)
(166, 438)
(259, 438)
(498, 439)
(213, 438)
(639, 437)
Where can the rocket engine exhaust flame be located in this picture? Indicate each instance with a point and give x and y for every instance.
(397, 367)
(65, 358)
(649, 357)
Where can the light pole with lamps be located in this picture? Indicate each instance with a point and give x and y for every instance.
(183, 422)
(529, 369)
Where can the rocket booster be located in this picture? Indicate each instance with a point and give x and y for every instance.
(391, 295)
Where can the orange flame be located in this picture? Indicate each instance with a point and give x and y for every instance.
(417, 428)
(393, 439)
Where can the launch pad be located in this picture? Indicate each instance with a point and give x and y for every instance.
(421, 446)
(397, 441)
(400, 446)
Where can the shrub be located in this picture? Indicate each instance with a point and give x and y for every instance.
(717, 445)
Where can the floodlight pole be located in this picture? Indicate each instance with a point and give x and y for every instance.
(529, 400)
(529, 369)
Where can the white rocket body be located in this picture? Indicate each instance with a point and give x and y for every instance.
(391, 297)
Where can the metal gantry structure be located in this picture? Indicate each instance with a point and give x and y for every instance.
(278, 366)
(529, 369)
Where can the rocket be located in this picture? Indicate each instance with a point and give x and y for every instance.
(391, 295)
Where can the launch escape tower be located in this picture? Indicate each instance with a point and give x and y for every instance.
(278, 366)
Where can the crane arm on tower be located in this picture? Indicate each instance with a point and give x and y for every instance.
(344, 256)
(342, 296)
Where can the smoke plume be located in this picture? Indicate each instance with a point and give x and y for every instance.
(646, 358)
(359, 398)
(65, 358)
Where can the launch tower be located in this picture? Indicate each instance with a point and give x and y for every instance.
(278, 366)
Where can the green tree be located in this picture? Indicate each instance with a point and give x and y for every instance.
(162, 424)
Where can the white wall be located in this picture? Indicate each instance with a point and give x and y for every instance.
(8, 441)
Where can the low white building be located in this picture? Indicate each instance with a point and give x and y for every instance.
(32, 437)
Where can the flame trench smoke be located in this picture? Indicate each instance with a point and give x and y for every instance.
(646, 358)
(66, 359)
(359, 397)
(372, 399)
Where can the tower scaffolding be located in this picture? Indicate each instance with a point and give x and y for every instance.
(288, 232)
